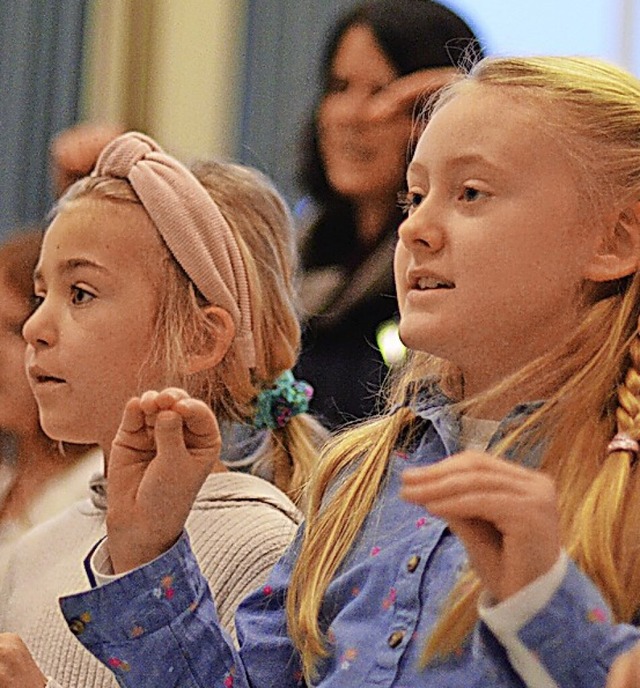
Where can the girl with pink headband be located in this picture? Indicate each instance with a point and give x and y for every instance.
(165, 294)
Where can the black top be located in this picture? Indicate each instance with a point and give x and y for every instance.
(345, 299)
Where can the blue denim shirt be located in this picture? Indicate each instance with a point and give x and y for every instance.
(377, 612)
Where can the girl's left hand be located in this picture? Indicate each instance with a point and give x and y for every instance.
(505, 515)
(17, 666)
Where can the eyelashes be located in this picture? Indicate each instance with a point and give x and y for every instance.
(408, 201)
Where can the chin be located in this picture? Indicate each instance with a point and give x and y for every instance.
(62, 432)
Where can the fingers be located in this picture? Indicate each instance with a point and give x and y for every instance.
(493, 506)
(172, 412)
(404, 92)
(152, 402)
(132, 417)
(476, 485)
(199, 420)
(132, 433)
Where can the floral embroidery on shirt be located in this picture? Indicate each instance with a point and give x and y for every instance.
(375, 551)
(228, 679)
(267, 590)
(597, 616)
(165, 588)
(422, 521)
(136, 631)
(355, 591)
(402, 455)
(347, 657)
(120, 664)
(389, 599)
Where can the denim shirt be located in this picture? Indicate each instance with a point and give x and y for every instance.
(377, 612)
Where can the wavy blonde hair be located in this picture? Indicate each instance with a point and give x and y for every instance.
(263, 228)
(593, 378)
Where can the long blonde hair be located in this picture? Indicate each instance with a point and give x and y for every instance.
(263, 229)
(593, 377)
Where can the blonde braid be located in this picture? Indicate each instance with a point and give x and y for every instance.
(603, 554)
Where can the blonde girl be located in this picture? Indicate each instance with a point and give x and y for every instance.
(180, 284)
(483, 532)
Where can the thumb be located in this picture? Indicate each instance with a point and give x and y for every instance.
(168, 433)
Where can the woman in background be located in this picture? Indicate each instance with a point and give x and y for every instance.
(379, 58)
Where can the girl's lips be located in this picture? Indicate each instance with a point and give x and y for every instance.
(424, 281)
(40, 376)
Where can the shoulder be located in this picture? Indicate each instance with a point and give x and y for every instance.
(237, 491)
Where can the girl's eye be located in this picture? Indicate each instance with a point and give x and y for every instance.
(80, 296)
(408, 201)
(35, 301)
(471, 194)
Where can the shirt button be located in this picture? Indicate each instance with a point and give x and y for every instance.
(76, 626)
(395, 638)
(413, 562)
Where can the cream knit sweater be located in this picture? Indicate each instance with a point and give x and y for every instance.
(239, 526)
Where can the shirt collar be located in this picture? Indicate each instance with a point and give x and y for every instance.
(434, 407)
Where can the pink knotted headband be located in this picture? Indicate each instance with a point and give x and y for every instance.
(190, 223)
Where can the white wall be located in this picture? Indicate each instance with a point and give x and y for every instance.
(173, 68)
(599, 28)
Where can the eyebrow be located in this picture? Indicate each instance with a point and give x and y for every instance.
(464, 159)
(71, 265)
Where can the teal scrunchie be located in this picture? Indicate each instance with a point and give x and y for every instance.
(287, 398)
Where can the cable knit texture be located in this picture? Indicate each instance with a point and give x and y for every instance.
(239, 527)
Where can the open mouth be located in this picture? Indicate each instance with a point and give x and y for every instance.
(428, 283)
(43, 379)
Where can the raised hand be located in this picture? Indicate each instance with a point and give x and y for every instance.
(505, 515)
(404, 93)
(17, 666)
(165, 447)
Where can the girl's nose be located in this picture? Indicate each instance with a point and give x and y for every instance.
(38, 330)
(423, 229)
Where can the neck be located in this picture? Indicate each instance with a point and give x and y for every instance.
(38, 461)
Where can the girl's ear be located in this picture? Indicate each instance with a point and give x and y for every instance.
(618, 252)
(222, 330)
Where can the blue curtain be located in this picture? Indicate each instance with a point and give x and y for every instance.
(284, 42)
(40, 62)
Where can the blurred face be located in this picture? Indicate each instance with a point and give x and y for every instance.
(491, 259)
(18, 410)
(97, 282)
(362, 160)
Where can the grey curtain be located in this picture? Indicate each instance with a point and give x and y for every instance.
(284, 42)
(40, 61)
